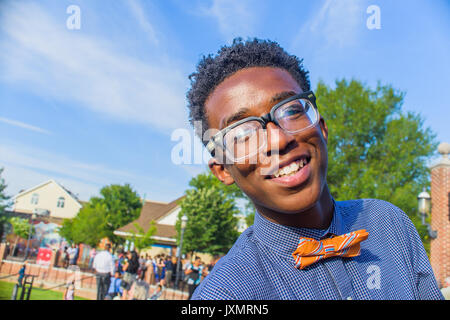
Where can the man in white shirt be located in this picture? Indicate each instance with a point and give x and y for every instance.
(104, 268)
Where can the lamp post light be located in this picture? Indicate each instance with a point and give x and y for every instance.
(180, 248)
(424, 201)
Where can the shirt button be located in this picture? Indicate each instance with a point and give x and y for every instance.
(349, 298)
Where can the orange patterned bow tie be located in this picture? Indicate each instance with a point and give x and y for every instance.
(310, 251)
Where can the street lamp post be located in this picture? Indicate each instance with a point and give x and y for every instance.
(424, 201)
(180, 248)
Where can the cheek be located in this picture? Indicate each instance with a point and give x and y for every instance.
(246, 178)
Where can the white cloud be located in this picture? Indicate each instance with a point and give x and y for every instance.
(139, 13)
(18, 178)
(235, 18)
(336, 24)
(27, 166)
(24, 125)
(38, 53)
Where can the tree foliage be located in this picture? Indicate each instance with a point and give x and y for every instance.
(21, 227)
(142, 239)
(101, 216)
(208, 180)
(375, 150)
(89, 226)
(4, 203)
(210, 209)
(122, 205)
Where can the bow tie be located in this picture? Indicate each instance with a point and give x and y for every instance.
(310, 251)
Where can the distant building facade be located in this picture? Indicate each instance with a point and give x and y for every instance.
(50, 199)
(46, 206)
(165, 215)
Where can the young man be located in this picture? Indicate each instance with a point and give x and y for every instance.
(104, 269)
(270, 140)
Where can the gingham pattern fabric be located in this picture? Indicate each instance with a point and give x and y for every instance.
(310, 251)
(392, 264)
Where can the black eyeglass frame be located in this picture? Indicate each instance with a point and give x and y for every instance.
(217, 139)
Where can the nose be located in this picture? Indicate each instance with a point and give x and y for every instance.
(277, 139)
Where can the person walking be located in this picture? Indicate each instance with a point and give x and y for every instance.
(115, 289)
(104, 268)
(142, 267)
(73, 254)
(161, 266)
(194, 273)
(150, 270)
(92, 254)
(169, 270)
(69, 292)
(21, 274)
(65, 258)
(120, 261)
(130, 268)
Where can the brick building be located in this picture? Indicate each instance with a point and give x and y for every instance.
(440, 215)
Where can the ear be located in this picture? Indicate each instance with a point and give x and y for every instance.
(323, 128)
(220, 171)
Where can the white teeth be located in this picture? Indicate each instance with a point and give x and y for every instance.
(290, 169)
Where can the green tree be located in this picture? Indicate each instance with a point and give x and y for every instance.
(22, 228)
(4, 203)
(208, 180)
(375, 150)
(122, 205)
(143, 239)
(66, 230)
(89, 226)
(212, 225)
(101, 216)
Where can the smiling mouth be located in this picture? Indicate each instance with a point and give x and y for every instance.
(290, 169)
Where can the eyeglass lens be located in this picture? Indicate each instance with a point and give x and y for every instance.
(250, 137)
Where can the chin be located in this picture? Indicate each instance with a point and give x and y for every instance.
(294, 202)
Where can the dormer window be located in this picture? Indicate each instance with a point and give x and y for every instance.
(35, 198)
(60, 203)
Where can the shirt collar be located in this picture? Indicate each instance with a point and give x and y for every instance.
(284, 239)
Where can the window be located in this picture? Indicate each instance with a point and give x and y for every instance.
(35, 198)
(60, 203)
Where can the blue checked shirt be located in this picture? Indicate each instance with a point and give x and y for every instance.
(392, 265)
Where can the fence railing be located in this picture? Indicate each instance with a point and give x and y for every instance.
(58, 277)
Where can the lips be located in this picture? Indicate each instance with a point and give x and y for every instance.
(292, 172)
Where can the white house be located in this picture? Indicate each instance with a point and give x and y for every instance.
(48, 198)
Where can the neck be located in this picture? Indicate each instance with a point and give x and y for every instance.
(318, 216)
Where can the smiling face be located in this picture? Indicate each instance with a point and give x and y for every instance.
(302, 157)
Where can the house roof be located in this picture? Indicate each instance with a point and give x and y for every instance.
(154, 211)
(68, 192)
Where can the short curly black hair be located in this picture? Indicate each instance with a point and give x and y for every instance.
(212, 70)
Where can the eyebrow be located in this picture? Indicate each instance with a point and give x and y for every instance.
(282, 95)
(244, 112)
(240, 114)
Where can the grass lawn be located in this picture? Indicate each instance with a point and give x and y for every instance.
(6, 289)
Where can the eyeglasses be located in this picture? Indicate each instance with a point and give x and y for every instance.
(247, 137)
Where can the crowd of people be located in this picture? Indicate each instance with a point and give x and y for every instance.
(128, 276)
(124, 275)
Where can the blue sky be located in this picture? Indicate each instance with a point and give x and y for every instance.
(98, 105)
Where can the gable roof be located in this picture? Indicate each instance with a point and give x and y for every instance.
(154, 211)
(69, 193)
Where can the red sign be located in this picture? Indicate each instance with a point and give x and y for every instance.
(44, 256)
